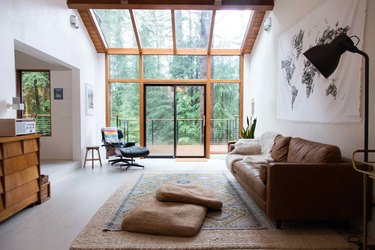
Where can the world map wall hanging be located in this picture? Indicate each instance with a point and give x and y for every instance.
(303, 93)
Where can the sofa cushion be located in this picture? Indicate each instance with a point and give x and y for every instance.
(249, 173)
(280, 148)
(305, 151)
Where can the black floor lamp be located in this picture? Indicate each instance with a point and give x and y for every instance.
(326, 58)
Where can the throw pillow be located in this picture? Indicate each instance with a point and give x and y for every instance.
(165, 218)
(247, 147)
(280, 148)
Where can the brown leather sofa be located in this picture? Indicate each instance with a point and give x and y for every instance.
(305, 180)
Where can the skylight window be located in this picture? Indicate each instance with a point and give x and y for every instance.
(154, 28)
(230, 27)
(192, 28)
(116, 27)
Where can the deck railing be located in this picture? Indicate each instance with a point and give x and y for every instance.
(222, 130)
(43, 123)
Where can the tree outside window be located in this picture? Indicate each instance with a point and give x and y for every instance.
(35, 92)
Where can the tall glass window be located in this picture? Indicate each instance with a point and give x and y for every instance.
(36, 96)
(124, 109)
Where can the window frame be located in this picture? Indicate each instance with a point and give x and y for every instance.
(20, 95)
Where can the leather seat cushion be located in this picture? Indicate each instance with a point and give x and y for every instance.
(249, 173)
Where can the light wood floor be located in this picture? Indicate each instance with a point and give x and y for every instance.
(77, 194)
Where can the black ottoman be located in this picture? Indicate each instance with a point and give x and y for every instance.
(130, 153)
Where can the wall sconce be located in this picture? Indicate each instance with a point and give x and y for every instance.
(16, 104)
(74, 21)
(267, 24)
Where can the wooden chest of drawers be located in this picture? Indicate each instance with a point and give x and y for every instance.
(19, 173)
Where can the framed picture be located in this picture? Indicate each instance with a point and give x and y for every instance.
(58, 93)
(90, 96)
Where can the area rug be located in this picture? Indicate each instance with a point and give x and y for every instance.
(299, 237)
(238, 211)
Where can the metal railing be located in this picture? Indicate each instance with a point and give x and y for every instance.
(222, 130)
(42, 121)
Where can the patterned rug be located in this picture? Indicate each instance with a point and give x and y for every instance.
(237, 212)
(92, 237)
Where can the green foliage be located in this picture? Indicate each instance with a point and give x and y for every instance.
(36, 96)
(248, 132)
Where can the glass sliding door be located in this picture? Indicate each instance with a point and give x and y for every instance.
(175, 117)
(159, 120)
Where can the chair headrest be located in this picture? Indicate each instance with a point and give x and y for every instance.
(110, 135)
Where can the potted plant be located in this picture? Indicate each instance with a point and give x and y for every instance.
(248, 132)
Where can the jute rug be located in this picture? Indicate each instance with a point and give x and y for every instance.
(266, 236)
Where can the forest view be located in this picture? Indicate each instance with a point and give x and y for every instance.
(192, 29)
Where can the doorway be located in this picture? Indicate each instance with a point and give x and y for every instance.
(174, 116)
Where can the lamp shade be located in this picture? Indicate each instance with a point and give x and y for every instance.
(326, 57)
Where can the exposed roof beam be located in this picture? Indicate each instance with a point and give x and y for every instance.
(95, 34)
(261, 5)
(211, 32)
(193, 52)
(173, 32)
(135, 32)
(252, 32)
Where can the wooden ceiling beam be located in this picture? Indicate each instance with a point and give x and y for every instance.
(252, 32)
(93, 31)
(261, 5)
(135, 31)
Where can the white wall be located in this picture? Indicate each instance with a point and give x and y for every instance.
(44, 26)
(261, 81)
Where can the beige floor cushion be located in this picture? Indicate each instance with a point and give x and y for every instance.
(188, 193)
(165, 218)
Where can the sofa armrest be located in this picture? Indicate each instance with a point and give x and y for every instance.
(231, 145)
(324, 190)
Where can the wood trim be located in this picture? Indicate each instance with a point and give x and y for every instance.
(252, 32)
(135, 31)
(174, 81)
(124, 80)
(241, 91)
(173, 32)
(141, 103)
(208, 108)
(107, 111)
(193, 52)
(123, 51)
(92, 28)
(171, 4)
(225, 81)
(250, 24)
(98, 31)
(211, 32)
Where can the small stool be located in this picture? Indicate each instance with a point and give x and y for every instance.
(92, 148)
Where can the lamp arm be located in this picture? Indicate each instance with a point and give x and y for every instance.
(366, 108)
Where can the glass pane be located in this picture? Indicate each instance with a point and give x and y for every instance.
(225, 67)
(160, 120)
(36, 96)
(154, 28)
(124, 67)
(190, 127)
(124, 109)
(174, 67)
(192, 28)
(224, 115)
(230, 27)
(116, 27)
